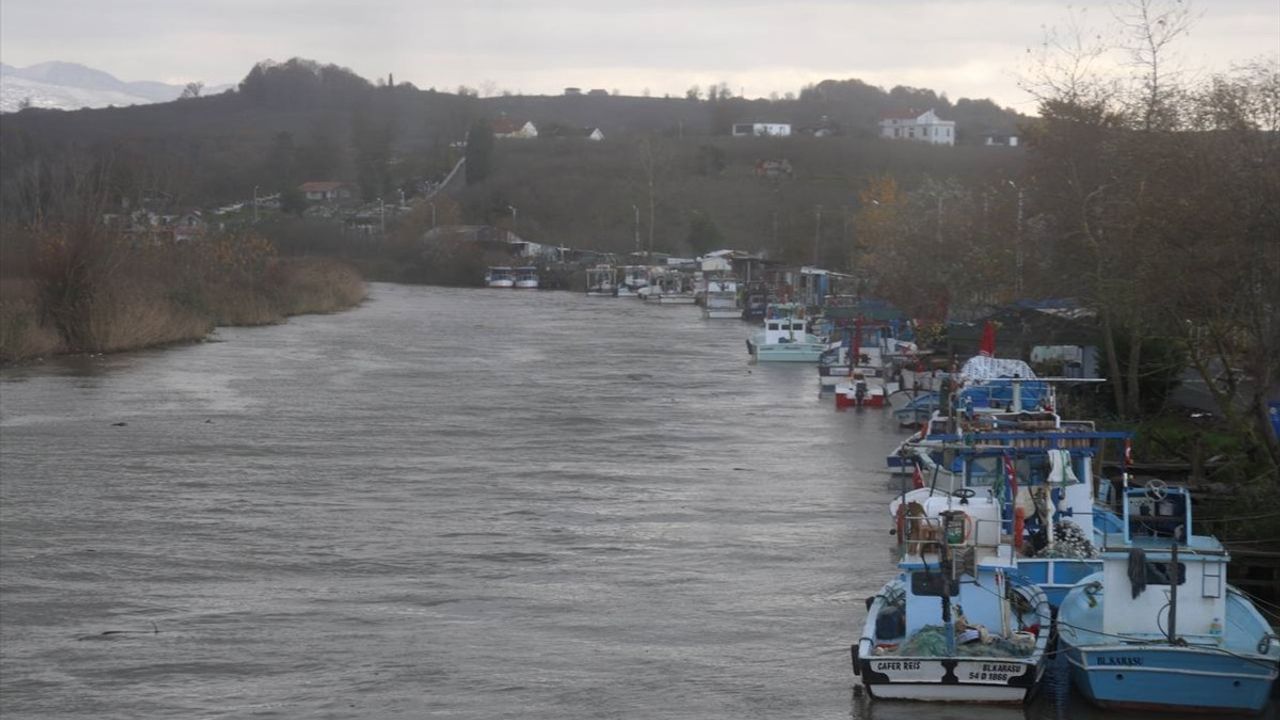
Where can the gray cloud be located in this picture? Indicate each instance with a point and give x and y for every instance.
(966, 48)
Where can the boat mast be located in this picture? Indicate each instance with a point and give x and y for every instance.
(1173, 594)
(947, 621)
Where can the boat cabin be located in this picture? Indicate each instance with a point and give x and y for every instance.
(1141, 573)
(783, 330)
(601, 280)
(499, 276)
(635, 276)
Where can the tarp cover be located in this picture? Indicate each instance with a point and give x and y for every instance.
(988, 368)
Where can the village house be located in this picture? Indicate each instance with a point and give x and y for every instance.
(325, 191)
(508, 128)
(923, 127)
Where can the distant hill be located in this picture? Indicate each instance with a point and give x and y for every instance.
(71, 86)
(299, 120)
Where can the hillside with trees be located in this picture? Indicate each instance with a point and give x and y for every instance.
(301, 120)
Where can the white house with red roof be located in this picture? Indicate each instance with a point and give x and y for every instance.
(923, 127)
(325, 191)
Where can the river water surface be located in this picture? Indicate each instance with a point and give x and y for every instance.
(444, 503)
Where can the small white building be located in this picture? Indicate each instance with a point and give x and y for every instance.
(325, 191)
(926, 127)
(762, 129)
(508, 128)
(595, 135)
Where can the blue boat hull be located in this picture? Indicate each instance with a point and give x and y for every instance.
(1185, 679)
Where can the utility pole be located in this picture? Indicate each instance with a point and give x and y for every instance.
(514, 219)
(1017, 245)
(636, 208)
(255, 203)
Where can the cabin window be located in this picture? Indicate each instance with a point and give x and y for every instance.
(773, 326)
(929, 584)
(1158, 573)
(985, 471)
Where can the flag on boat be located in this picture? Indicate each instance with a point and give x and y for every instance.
(1011, 474)
(1128, 453)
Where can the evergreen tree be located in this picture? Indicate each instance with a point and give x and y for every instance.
(479, 151)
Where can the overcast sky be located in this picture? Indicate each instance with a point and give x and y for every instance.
(967, 48)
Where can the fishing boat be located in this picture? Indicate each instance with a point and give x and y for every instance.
(668, 287)
(602, 281)
(958, 623)
(633, 279)
(526, 278)
(864, 388)
(984, 385)
(784, 337)
(1159, 628)
(720, 299)
(499, 276)
(755, 301)
(1033, 470)
(912, 408)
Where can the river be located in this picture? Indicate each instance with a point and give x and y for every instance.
(444, 503)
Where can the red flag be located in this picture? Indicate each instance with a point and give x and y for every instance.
(1128, 453)
(987, 346)
(1013, 478)
(917, 480)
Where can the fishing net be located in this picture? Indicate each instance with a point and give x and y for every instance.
(931, 641)
(1069, 541)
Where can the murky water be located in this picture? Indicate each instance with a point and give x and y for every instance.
(474, 504)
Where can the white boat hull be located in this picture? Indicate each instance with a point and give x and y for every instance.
(721, 313)
(526, 285)
(987, 694)
(501, 283)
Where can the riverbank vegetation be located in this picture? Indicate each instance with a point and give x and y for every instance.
(82, 288)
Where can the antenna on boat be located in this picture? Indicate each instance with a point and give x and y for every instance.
(1174, 576)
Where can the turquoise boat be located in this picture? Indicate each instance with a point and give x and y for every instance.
(784, 337)
(1159, 628)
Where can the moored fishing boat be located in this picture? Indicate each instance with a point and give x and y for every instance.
(499, 276)
(633, 279)
(863, 388)
(1159, 627)
(526, 278)
(602, 281)
(1034, 471)
(983, 386)
(784, 337)
(958, 623)
(912, 408)
(720, 299)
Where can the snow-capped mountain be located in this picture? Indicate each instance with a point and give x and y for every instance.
(71, 86)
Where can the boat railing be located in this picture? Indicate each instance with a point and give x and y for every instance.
(921, 535)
